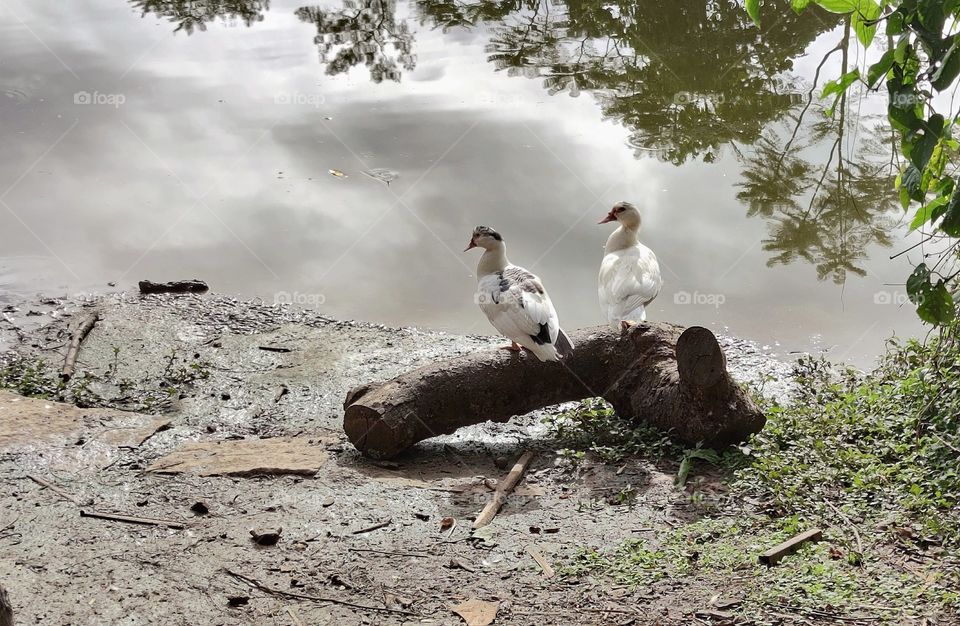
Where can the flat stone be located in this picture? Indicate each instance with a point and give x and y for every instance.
(246, 457)
(26, 421)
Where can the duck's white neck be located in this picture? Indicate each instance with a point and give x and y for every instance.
(621, 239)
(493, 260)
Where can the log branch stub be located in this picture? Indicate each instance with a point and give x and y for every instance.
(655, 373)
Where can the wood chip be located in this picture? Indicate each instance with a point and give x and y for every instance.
(776, 553)
(541, 561)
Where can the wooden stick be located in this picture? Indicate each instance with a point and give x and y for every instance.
(853, 527)
(376, 526)
(57, 490)
(504, 488)
(132, 519)
(541, 561)
(256, 584)
(776, 553)
(73, 348)
(293, 617)
(391, 553)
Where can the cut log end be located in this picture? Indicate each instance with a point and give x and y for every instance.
(700, 361)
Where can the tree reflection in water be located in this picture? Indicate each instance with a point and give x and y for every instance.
(190, 15)
(364, 32)
(686, 78)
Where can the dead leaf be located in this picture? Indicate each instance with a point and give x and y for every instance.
(477, 612)
(338, 174)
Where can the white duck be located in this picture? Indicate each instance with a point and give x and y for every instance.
(515, 301)
(629, 274)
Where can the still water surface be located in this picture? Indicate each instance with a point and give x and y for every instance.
(229, 139)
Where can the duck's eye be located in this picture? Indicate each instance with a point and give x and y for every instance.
(620, 209)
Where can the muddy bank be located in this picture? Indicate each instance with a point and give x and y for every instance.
(221, 370)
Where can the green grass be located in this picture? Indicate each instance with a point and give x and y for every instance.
(39, 379)
(873, 459)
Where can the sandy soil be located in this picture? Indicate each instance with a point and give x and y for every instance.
(199, 362)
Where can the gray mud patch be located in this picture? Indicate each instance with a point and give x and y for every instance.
(221, 370)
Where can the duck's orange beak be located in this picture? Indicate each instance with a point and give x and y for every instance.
(470, 246)
(611, 217)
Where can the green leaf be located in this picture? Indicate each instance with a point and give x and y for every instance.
(753, 10)
(922, 148)
(864, 21)
(894, 24)
(948, 70)
(951, 216)
(937, 305)
(837, 87)
(918, 283)
(934, 303)
(879, 69)
(838, 6)
(799, 5)
(683, 471)
(929, 212)
(910, 181)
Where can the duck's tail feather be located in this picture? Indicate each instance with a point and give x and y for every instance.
(563, 345)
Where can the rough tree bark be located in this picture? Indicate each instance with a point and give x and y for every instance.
(657, 373)
(6, 611)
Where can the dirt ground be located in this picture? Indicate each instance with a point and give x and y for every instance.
(199, 362)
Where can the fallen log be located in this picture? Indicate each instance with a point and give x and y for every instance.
(178, 286)
(655, 373)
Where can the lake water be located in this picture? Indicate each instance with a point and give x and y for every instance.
(228, 140)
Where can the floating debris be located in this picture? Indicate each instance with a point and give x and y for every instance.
(382, 174)
(338, 174)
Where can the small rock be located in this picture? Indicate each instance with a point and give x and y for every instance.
(265, 537)
(328, 501)
(501, 462)
(224, 396)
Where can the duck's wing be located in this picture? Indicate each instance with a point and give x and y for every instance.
(629, 279)
(518, 306)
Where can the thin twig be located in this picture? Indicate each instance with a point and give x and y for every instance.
(256, 584)
(57, 490)
(293, 617)
(416, 554)
(376, 526)
(848, 522)
(133, 519)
